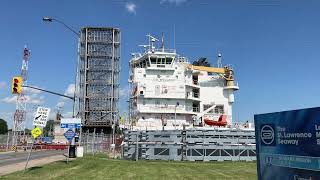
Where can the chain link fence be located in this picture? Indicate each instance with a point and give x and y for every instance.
(93, 143)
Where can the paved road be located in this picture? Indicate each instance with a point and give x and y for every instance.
(17, 157)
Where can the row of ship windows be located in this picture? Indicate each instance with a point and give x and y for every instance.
(146, 63)
(219, 109)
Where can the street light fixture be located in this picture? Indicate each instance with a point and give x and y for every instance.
(50, 19)
(47, 19)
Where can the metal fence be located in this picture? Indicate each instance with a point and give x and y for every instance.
(190, 145)
(6, 141)
(101, 143)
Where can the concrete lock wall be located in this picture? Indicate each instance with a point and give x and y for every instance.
(190, 145)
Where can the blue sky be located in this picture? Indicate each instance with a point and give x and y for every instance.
(272, 45)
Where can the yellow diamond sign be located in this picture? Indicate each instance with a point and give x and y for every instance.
(36, 132)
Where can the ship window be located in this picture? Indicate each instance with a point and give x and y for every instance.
(168, 60)
(144, 102)
(153, 60)
(207, 106)
(157, 103)
(219, 109)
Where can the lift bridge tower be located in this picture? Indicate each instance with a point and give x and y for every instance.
(98, 77)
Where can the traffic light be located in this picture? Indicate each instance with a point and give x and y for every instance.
(16, 85)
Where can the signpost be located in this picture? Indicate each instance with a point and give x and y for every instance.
(70, 123)
(40, 120)
(36, 132)
(69, 135)
(41, 117)
(288, 144)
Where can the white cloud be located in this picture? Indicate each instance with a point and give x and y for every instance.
(3, 84)
(35, 99)
(30, 99)
(70, 90)
(60, 104)
(11, 99)
(131, 7)
(124, 92)
(32, 91)
(176, 2)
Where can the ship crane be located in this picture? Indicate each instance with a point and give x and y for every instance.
(197, 118)
(227, 74)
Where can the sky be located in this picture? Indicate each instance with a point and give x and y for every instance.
(273, 46)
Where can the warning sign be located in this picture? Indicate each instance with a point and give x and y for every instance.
(41, 116)
(36, 132)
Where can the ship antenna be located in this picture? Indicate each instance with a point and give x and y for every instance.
(219, 60)
(162, 42)
(174, 36)
(144, 47)
(152, 40)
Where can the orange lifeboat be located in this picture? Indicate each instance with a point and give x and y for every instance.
(222, 121)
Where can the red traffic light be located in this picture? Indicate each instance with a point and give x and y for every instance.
(16, 85)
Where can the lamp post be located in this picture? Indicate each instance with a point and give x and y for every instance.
(50, 19)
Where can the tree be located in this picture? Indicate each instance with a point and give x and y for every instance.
(27, 131)
(48, 130)
(3, 126)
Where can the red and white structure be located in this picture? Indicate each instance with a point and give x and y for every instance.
(21, 103)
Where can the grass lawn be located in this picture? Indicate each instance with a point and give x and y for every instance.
(100, 167)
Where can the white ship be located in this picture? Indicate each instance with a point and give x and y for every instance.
(167, 92)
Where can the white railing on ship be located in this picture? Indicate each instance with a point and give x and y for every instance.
(165, 50)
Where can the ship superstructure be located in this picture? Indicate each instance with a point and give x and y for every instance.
(167, 92)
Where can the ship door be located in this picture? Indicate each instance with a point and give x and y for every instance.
(195, 79)
(157, 90)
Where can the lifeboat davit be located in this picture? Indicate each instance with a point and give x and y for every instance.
(222, 121)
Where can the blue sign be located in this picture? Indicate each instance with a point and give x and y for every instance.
(288, 144)
(70, 125)
(47, 140)
(69, 134)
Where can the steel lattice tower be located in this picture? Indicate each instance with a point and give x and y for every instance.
(98, 73)
(21, 104)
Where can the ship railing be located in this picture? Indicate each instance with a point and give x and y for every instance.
(165, 50)
(193, 109)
